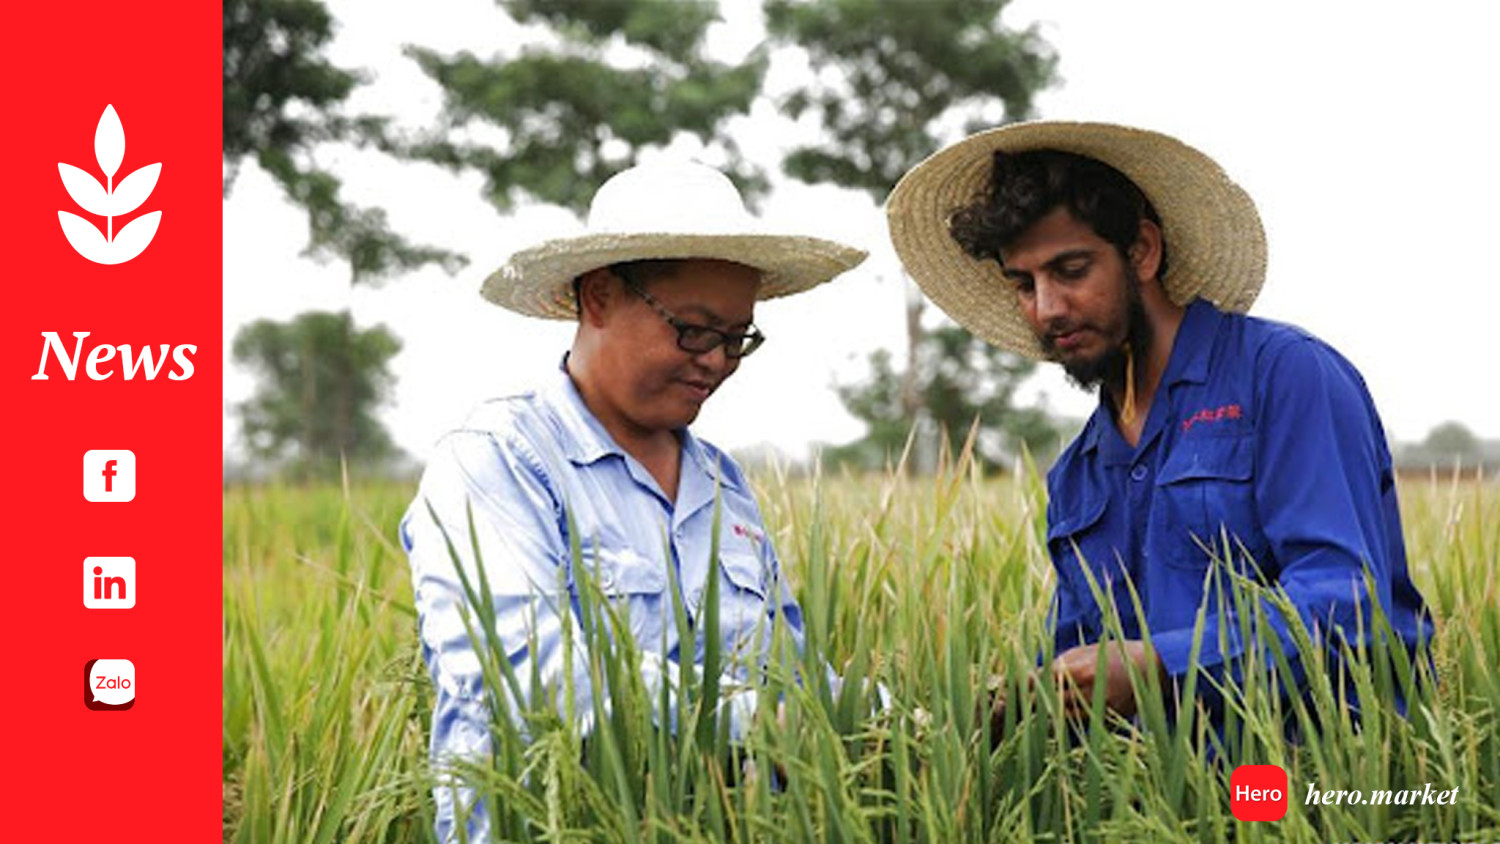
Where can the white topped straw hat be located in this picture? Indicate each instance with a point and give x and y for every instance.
(1216, 247)
(664, 211)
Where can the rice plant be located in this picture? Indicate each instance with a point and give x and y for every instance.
(933, 589)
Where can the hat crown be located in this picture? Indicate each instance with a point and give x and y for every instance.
(682, 197)
(668, 210)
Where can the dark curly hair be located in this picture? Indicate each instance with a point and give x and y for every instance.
(1026, 186)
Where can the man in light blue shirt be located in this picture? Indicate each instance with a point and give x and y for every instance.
(663, 286)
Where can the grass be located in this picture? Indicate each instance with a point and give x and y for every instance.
(928, 586)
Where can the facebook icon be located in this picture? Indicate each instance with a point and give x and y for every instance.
(109, 475)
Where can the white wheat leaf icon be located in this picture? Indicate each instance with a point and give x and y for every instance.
(109, 200)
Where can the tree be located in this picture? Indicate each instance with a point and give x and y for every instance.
(569, 113)
(895, 79)
(321, 382)
(567, 116)
(570, 117)
(962, 379)
(281, 100)
(1452, 441)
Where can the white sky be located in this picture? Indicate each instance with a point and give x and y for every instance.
(1361, 130)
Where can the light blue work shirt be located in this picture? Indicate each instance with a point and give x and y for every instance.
(519, 462)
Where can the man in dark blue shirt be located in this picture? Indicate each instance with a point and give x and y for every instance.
(1221, 441)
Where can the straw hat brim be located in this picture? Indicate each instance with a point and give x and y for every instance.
(1216, 247)
(539, 281)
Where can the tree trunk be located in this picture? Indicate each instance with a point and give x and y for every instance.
(921, 459)
(309, 401)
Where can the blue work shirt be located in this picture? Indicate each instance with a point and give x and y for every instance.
(1260, 433)
(524, 464)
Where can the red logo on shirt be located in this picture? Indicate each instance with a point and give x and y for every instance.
(1217, 414)
(748, 532)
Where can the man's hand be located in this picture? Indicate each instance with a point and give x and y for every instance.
(1077, 673)
(991, 707)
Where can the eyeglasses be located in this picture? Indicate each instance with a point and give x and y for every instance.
(701, 339)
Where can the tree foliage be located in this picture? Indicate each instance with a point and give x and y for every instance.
(600, 82)
(321, 381)
(627, 75)
(282, 99)
(893, 81)
(963, 379)
(549, 123)
(1452, 440)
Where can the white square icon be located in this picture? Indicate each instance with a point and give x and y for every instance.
(109, 475)
(109, 583)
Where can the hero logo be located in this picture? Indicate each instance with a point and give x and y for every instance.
(1258, 792)
(109, 200)
(100, 363)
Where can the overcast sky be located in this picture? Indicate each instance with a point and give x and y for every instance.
(1366, 132)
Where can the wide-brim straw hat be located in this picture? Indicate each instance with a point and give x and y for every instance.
(666, 210)
(1216, 247)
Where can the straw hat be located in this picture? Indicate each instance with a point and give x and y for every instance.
(664, 211)
(1215, 242)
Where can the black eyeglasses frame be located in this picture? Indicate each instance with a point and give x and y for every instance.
(736, 344)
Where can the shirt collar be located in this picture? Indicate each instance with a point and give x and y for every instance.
(585, 440)
(1099, 417)
(581, 434)
(693, 450)
(1188, 362)
(1194, 344)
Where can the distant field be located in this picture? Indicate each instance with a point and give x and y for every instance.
(928, 587)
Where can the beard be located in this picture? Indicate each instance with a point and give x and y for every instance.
(1109, 367)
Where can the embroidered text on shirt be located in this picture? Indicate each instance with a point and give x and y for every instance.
(1228, 411)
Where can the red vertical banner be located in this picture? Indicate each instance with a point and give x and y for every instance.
(111, 353)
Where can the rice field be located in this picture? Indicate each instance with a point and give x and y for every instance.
(929, 587)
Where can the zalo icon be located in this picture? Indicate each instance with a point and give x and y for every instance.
(109, 684)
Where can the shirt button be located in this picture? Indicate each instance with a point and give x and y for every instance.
(1138, 473)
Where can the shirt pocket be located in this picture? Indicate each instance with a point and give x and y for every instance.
(625, 572)
(636, 586)
(745, 572)
(1206, 494)
(1072, 541)
(744, 619)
